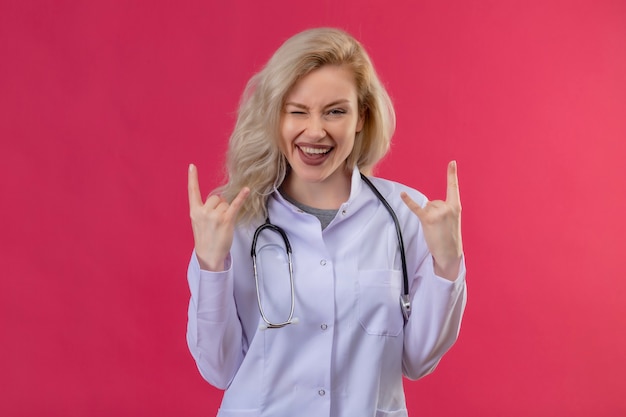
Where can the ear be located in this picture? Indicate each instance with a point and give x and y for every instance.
(361, 121)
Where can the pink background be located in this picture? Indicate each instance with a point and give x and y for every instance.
(103, 104)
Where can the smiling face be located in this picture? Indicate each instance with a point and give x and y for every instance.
(318, 127)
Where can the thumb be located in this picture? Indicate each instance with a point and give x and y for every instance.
(237, 203)
(412, 205)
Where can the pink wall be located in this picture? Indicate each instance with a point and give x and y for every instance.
(104, 104)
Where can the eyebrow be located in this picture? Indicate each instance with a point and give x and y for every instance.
(334, 103)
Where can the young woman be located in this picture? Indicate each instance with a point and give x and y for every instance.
(309, 296)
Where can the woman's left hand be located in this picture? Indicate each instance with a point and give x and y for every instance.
(441, 221)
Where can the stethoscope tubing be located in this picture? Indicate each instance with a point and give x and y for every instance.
(405, 304)
(281, 232)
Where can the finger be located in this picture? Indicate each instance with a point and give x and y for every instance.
(238, 202)
(411, 204)
(193, 187)
(214, 202)
(452, 194)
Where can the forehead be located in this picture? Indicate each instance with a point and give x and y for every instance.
(328, 83)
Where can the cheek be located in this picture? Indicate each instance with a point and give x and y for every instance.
(287, 130)
(283, 133)
(350, 133)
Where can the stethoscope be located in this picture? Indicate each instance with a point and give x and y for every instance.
(405, 303)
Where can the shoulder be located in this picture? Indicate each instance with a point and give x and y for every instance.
(391, 191)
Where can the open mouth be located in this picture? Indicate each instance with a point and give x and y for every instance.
(314, 155)
(314, 151)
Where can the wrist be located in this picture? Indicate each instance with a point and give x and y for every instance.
(211, 265)
(448, 270)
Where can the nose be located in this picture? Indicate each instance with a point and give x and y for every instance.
(315, 128)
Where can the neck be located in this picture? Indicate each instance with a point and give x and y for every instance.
(326, 195)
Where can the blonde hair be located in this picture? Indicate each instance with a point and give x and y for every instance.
(254, 158)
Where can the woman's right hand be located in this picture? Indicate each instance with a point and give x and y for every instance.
(213, 223)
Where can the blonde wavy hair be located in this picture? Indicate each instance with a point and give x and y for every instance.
(254, 158)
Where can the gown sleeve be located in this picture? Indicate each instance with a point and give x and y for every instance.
(214, 332)
(437, 308)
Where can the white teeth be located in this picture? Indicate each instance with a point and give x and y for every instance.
(315, 151)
